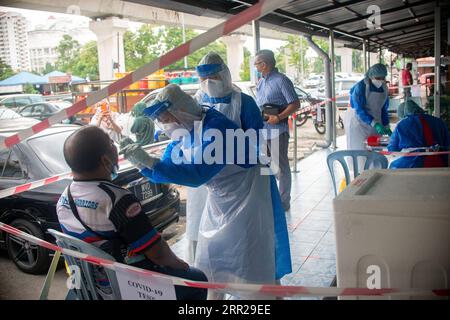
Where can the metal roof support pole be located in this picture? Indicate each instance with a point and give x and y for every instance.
(332, 124)
(380, 57)
(256, 47)
(368, 54)
(328, 108)
(364, 56)
(256, 36)
(437, 61)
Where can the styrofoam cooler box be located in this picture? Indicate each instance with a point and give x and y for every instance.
(394, 223)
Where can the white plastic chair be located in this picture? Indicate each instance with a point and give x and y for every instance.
(373, 160)
(87, 290)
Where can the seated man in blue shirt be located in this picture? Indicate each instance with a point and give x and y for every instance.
(276, 89)
(97, 211)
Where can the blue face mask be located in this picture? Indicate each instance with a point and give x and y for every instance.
(258, 74)
(114, 173)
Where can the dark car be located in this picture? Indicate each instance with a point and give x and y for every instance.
(44, 110)
(34, 211)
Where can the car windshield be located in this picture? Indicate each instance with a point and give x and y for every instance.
(49, 149)
(7, 114)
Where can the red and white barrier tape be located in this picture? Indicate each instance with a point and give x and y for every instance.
(413, 154)
(271, 290)
(252, 13)
(154, 149)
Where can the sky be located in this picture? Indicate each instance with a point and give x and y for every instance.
(38, 17)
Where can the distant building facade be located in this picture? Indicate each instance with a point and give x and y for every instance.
(14, 41)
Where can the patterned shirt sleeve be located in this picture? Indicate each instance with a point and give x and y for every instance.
(133, 225)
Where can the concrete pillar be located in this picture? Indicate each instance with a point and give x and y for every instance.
(235, 54)
(346, 58)
(256, 36)
(109, 34)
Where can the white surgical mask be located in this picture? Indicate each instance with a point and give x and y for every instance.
(213, 88)
(169, 129)
(377, 83)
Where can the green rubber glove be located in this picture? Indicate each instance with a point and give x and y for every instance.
(379, 128)
(387, 130)
(137, 156)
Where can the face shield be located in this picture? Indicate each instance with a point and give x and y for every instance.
(174, 109)
(216, 76)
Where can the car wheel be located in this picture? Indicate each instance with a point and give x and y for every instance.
(28, 257)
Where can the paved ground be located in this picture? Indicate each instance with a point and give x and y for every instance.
(15, 284)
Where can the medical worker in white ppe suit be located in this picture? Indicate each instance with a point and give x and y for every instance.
(243, 234)
(217, 91)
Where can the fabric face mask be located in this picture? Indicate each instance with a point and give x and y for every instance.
(213, 88)
(377, 83)
(114, 173)
(169, 128)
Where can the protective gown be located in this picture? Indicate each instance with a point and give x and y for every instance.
(243, 210)
(368, 103)
(416, 132)
(236, 106)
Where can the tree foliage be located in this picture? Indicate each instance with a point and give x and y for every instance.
(245, 68)
(150, 42)
(5, 70)
(75, 59)
(68, 52)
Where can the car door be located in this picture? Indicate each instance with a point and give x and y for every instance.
(27, 111)
(39, 111)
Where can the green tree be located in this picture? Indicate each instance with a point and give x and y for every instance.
(279, 60)
(86, 64)
(141, 47)
(150, 42)
(29, 88)
(318, 64)
(48, 68)
(245, 68)
(357, 61)
(68, 51)
(5, 70)
(297, 47)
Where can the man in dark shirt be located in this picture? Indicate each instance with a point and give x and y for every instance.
(98, 212)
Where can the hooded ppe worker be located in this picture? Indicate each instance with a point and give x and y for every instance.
(368, 115)
(143, 128)
(415, 132)
(217, 91)
(243, 232)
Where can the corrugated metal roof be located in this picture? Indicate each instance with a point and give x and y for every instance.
(348, 18)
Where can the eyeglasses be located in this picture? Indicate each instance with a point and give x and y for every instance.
(256, 63)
